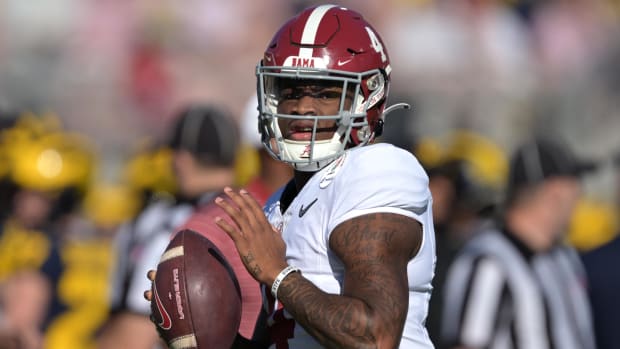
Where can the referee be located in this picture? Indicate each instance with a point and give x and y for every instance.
(517, 285)
(601, 266)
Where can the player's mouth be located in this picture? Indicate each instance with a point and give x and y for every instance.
(301, 130)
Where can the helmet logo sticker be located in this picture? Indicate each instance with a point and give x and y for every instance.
(305, 62)
(306, 152)
(376, 98)
(332, 171)
(376, 44)
(343, 62)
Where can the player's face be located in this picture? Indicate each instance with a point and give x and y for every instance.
(32, 208)
(310, 98)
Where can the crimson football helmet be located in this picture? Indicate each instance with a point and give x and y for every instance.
(337, 46)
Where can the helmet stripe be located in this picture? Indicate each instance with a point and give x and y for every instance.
(311, 28)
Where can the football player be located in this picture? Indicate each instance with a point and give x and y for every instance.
(345, 252)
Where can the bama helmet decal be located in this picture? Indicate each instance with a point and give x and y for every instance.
(305, 62)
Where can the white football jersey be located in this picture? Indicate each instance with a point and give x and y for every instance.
(373, 178)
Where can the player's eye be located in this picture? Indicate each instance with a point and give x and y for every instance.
(287, 94)
(326, 94)
(323, 94)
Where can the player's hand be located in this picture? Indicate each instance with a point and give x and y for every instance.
(259, 244)
(239, 343)
(148, 294)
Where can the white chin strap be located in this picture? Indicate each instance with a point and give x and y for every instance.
(297, 153)
(311, 167)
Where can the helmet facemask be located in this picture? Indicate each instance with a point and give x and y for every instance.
(352, 127)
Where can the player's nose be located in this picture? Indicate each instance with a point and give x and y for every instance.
(305, 105)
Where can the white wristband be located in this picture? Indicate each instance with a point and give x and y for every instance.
(284, 273)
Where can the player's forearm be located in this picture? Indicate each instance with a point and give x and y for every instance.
(335, 321)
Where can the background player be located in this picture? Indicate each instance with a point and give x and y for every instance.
(204, 141)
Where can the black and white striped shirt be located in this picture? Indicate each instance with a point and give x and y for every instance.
(499, 295)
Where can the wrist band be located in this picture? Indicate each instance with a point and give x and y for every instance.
(284, 273)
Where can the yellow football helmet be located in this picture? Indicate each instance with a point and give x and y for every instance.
(52, 162)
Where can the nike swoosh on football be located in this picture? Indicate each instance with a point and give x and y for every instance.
(303, 210)
(166, 321)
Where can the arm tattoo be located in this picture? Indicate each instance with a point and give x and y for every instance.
(371, 311)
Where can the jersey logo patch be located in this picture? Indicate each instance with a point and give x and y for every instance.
(303, 210)
(332, 170)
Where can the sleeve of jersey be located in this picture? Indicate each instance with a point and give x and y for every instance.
(273, 199)
(390, 182)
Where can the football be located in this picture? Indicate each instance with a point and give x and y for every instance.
(196, 298)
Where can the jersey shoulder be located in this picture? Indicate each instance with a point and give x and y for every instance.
(382, 167)
(384, 159)
(375, 178)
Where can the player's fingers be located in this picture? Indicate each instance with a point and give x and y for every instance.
(232, 231)
(148, 295)
(240, 201)
(252, 204)
(234, 213)
(227, 206)
(151, 274)
(250, 210)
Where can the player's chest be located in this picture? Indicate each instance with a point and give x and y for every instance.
(306, 219)
(304, 223)
(308, 208)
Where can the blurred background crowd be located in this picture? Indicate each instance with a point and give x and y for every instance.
(89, 89)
